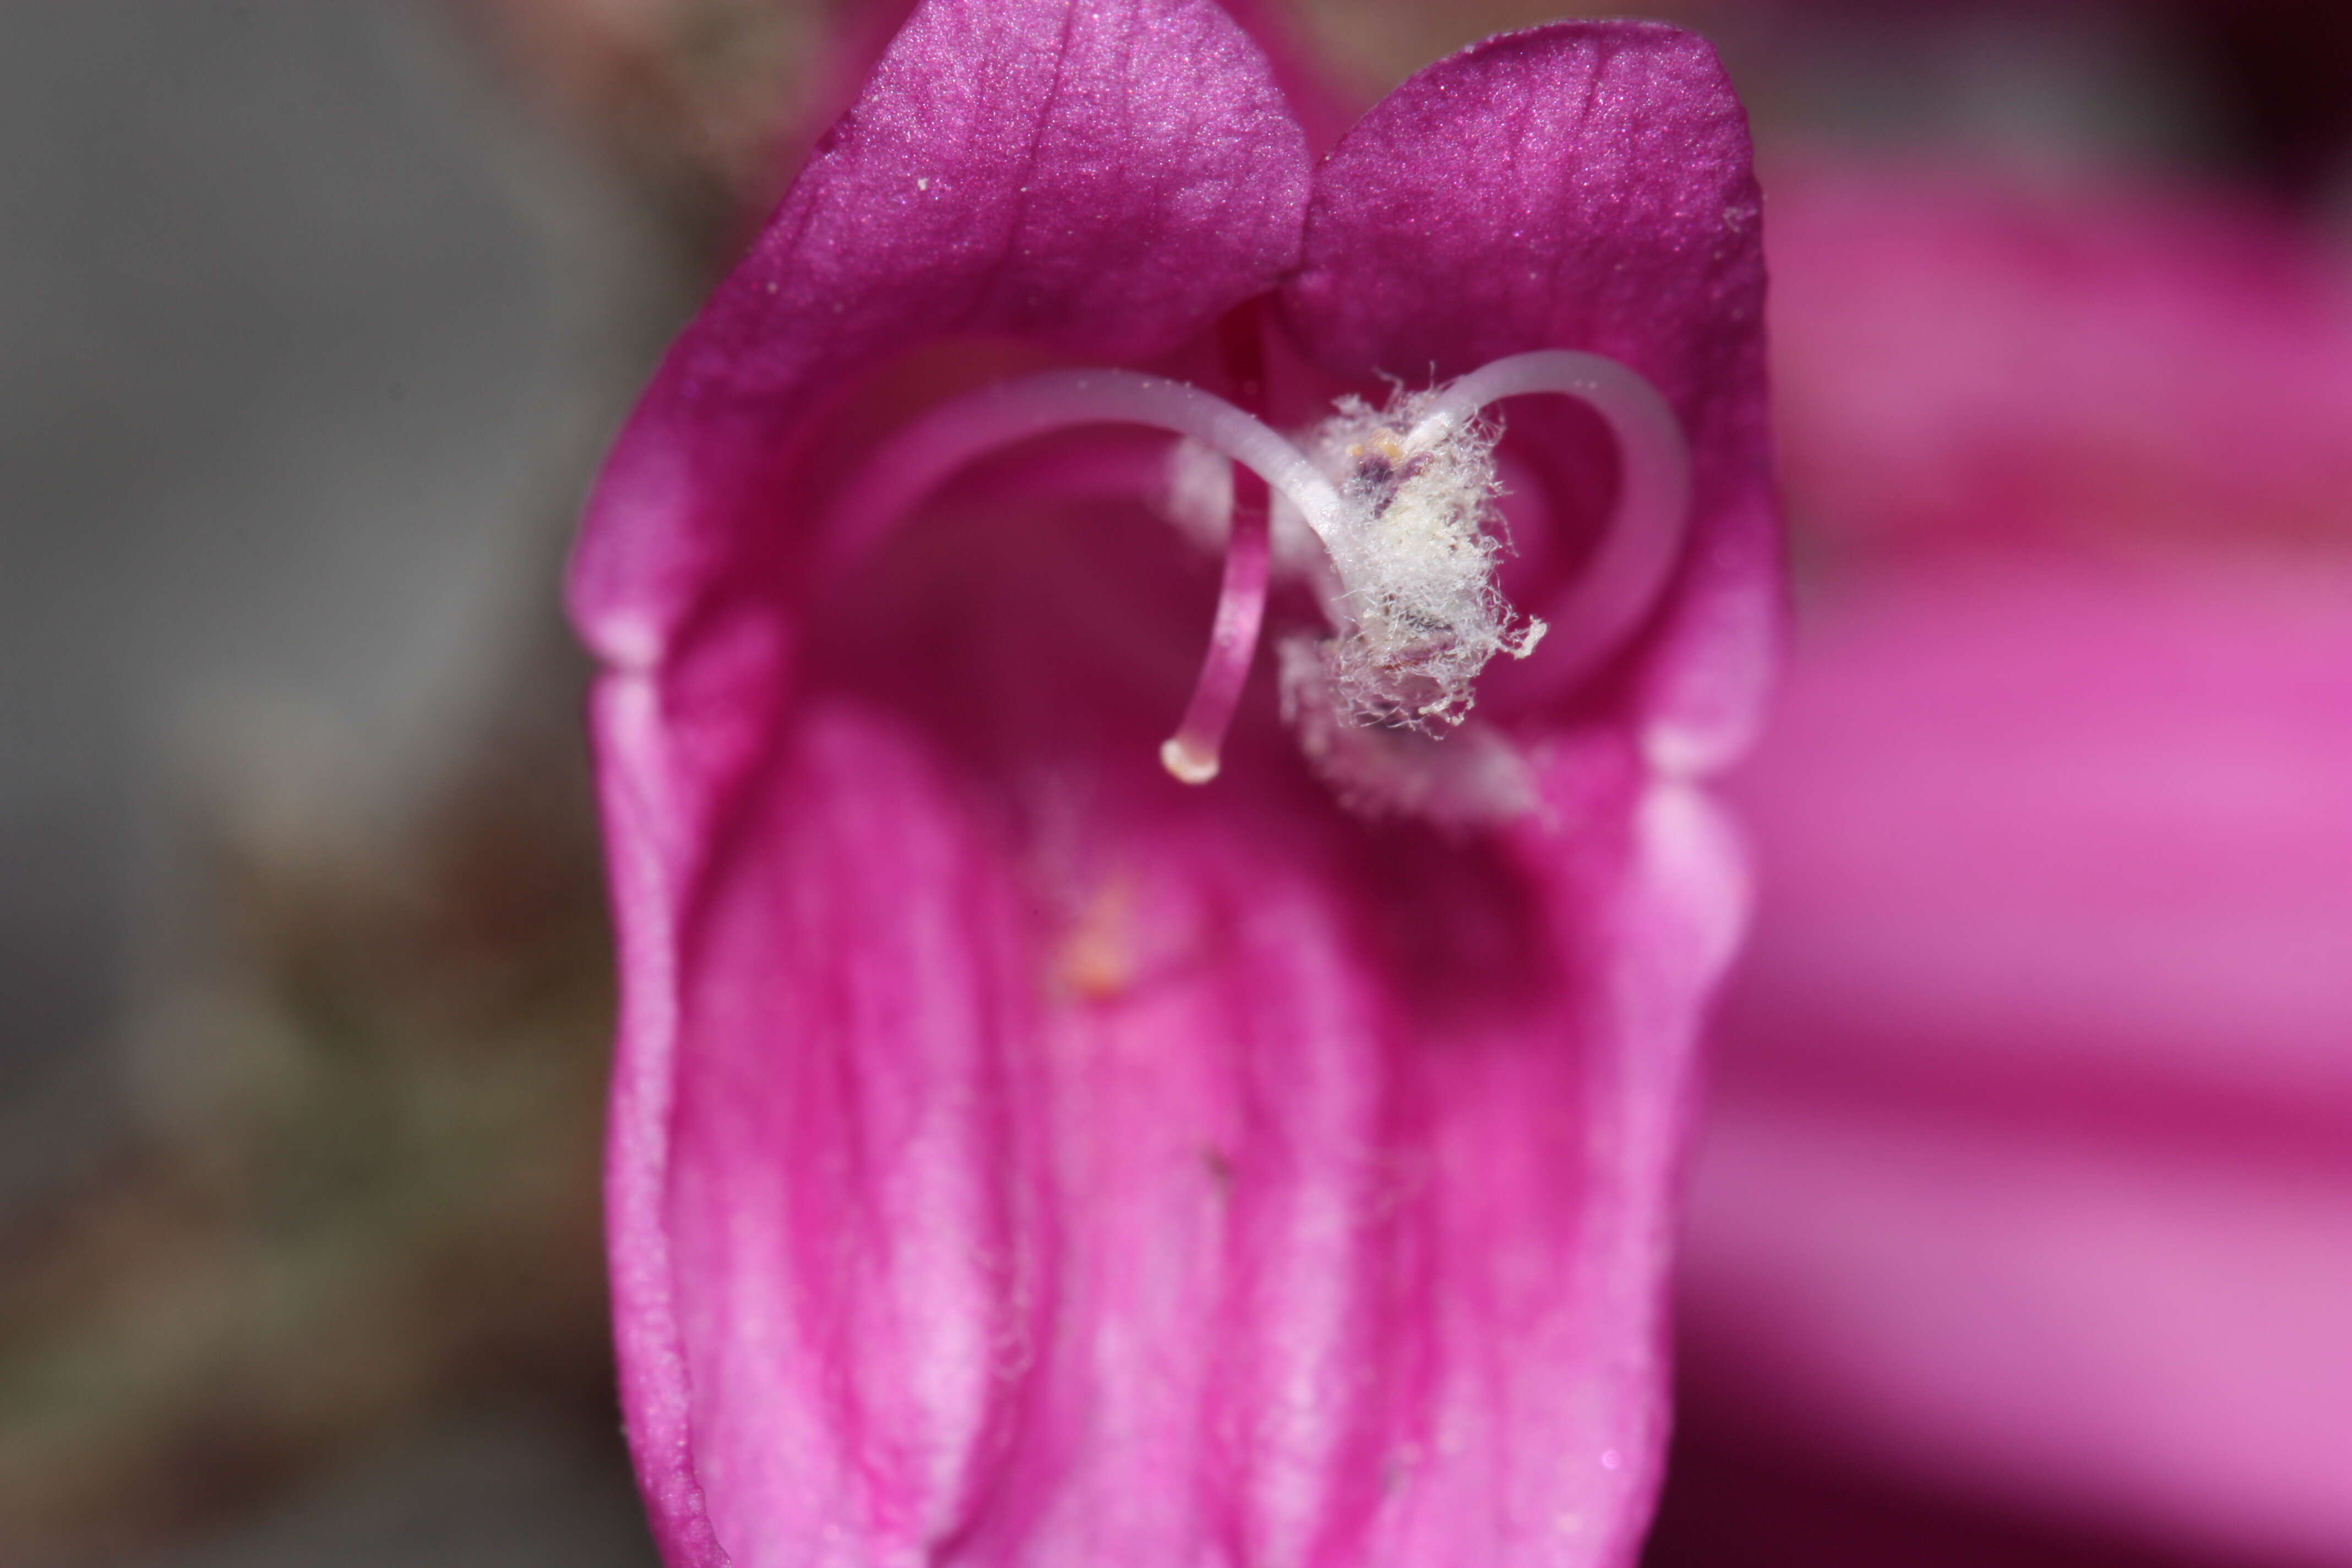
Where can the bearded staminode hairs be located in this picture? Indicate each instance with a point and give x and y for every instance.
(1415, 606)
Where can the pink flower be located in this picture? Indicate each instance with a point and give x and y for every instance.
(2029, 1171)
(1018, 1156)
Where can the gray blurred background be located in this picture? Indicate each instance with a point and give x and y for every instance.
(279, 360)
(301, 329)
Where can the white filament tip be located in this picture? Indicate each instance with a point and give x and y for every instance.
(1187, 761)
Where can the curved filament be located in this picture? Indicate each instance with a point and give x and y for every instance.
(1191, 752)
(914, 462)
(910, 464)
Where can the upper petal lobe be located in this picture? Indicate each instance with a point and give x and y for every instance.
(1578, 187)
(1101, 180)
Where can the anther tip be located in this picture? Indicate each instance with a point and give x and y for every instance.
(1186, 761)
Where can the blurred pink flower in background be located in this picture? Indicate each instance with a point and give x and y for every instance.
(1971, 354)
(1017, 1152)
(2028, 1174)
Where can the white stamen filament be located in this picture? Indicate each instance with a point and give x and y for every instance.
(1191, 752)
(955, 433)
(943, 440)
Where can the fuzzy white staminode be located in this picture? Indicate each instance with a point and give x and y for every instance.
(1413, 597)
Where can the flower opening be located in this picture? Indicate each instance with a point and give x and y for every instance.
(1402, 502)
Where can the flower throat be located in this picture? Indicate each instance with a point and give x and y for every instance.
(1388, 515)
